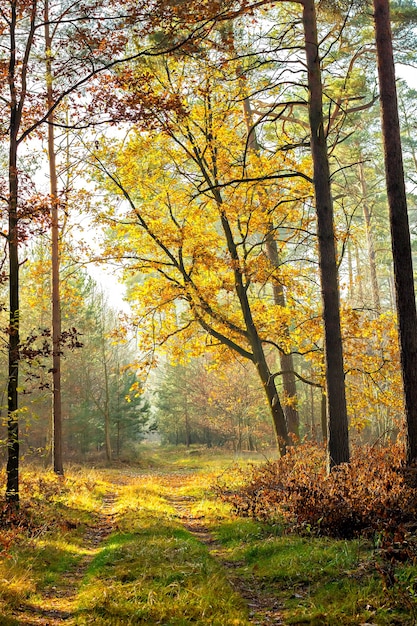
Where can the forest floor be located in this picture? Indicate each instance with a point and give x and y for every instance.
(152, 544)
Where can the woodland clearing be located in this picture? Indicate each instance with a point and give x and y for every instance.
(151, 543)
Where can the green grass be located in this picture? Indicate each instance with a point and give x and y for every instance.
(319, 581)
(169, 578)
(152, 570)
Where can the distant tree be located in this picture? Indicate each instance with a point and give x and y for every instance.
(196, 404)
(130, 410)
(102, 394)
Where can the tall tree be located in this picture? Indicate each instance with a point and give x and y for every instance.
(93, 41)
(338, 440)
(217, 283)
(335, 376)
(376, 301)
(400, 231)
(271, 248)
(17, 76)
(55, 256)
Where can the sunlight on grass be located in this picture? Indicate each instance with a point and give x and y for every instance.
(320, 581)
(15, 584)
(62, 546)
(210, 510)
(55, 511)
(159, 575)
(152, 569)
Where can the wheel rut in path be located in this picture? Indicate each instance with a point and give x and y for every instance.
(57, 604)
(264, 609)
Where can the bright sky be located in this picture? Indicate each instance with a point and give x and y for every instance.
(408, 73)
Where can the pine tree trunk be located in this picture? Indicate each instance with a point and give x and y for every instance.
(56, 300)
(109, 454)
(187, 425)
(106, 410)
(335, 381)
(400, 231)
(12, 488)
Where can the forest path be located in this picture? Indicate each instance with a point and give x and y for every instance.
(58, 603)
(263, 609)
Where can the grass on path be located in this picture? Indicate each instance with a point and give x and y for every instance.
(144, 558)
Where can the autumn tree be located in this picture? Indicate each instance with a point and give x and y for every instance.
(101, 394)
(219, 186)
(338, 443)
(218, 289)
(199, 404)
(271, 247)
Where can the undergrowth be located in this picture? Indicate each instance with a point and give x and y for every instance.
(368, 497)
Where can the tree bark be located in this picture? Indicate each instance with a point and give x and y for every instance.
(259, 358)
(106, 403)
(335, 380)
(277, 412)
(55, 255)
(400, 231)
(286, 360)
(187, 423)
(12, 487)
(109, 454)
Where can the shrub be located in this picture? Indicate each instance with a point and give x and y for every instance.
(367, 496)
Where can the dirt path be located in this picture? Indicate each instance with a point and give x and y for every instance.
(264, 609)
(57, 603)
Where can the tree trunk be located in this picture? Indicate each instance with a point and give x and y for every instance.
(107, 433)
(351, 283)
(118, 439)
(118, 414)
(12, 487)
(187, 425)
(323, 418)
(106, 408)
(259, 358)
(359, 281)
(56, 301)
(286, 360)
(269, 386)
(335, 380)
(400, 232)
